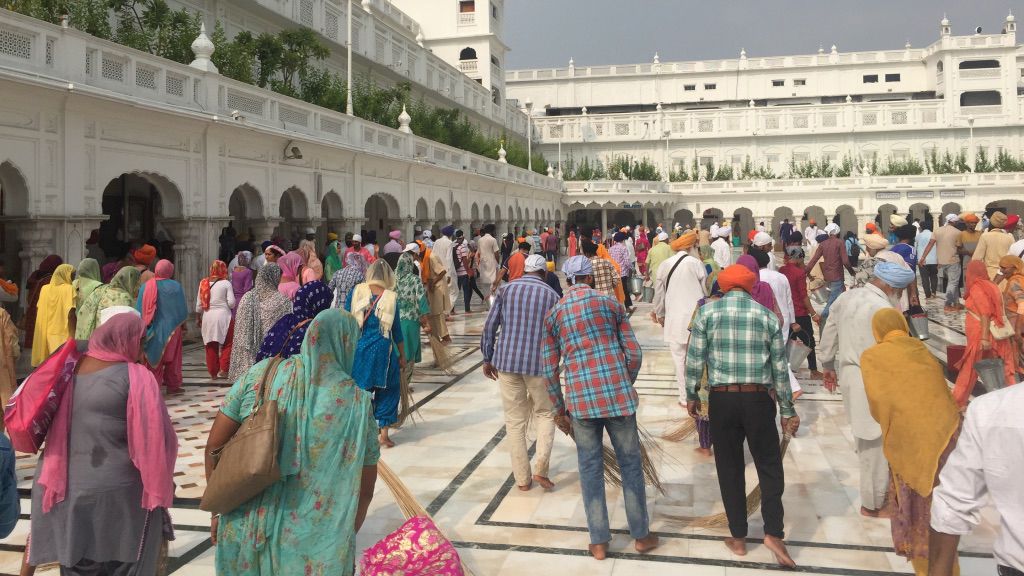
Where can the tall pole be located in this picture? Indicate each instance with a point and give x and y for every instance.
(973, 152)
(561, 134)
(348, 86)
(529, 135)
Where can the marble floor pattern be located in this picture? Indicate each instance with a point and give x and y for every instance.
(455, 461)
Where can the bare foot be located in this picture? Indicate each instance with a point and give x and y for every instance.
(386, 442)
(880, 513)
(737, 546)
(797, 395)
(703, 451)
(646, 544)
(544, 482)
(598, 551)
(778, 547)
(816, 375)
(526, 488)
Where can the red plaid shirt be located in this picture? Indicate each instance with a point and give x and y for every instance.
(591, 332)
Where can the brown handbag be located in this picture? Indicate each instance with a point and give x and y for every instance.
(247, 464)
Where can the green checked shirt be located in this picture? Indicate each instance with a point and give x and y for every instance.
(741, 342)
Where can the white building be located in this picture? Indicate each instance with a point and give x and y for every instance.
(99, 138)
(870, 109)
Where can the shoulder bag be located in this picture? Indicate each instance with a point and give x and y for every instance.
(1004, 332)
(247, 464)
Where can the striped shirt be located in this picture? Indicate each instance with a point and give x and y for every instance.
(518, 311)
(741, 342)
(591, 333)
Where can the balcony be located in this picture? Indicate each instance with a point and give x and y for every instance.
(467, 18)
(469, 66)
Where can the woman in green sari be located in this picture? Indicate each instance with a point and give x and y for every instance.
(413, 309)
(306, 522)
(122, 291)
(87, 279)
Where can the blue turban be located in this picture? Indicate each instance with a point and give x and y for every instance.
(620, 237)
(894, 275)
(266, 244)
(448, 230)
(577, 266)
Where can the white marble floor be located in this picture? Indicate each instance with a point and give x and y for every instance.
(455, 461)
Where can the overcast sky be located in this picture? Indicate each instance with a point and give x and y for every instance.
(546, 33)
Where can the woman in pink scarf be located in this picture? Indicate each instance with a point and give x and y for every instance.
(108, 514)
(290, 264)
(312, 267)
(643, 245)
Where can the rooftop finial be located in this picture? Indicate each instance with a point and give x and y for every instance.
(203, 48)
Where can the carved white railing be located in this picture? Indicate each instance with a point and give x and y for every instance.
(32, 50)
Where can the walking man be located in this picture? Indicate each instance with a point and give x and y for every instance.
(621, 253)
(721, 248)
(591, 333)
(944, 243)
(843, 340)
(832, 253)
(490, 256)
(679, 288)
(443, 249)
(512, 357)
(741, 343)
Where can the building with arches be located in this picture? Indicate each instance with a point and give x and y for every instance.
(99, 142)
(854, 135)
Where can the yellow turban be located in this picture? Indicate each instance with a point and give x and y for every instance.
(997, 220)
(685, 241)
(875, 241)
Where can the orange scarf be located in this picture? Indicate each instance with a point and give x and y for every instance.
(218, 271)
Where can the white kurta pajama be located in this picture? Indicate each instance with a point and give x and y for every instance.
(487, 270)
(443, 249)
(847, 334)
(721, 252)
(784, 298)
(676, 304)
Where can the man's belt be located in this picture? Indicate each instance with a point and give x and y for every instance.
(741, 388)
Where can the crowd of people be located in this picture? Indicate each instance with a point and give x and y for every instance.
(331, 336)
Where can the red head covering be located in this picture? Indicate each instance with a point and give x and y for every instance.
(736, 277)
(218, 271)
(983, 294)
(751, 234)
(164, 271)
(1011, 222)
(145, 255)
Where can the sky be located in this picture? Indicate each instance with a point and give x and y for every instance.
(546, 33)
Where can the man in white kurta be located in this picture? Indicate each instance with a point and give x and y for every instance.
(487, 248)
(443, 249)
(811, 236)
(784, 299)
(721, 251)
(847, 334)
(679, 286)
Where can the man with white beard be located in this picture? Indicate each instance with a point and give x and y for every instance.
(846, 335)
(678, 289)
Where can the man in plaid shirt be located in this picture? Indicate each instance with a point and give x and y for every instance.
(740, 342)
(591, 333)
(605, 278)
(513, 358)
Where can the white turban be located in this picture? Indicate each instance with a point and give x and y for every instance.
(762, 239)
(724, 231)
(663, 236)
(535, 263)
(832, 229)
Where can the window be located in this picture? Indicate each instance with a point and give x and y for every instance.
(976, 64)
(871, 78)
(800, 82)
(692, 87)
(981, 98)
(467, 54)
(494, 11)
(892, 77)
(495, 61)
(466, 6)
(777, 83)
(495, 96)
(710, 86)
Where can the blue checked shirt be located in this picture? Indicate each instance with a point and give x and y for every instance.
(741, 341)
(591, 333)
(518, 311)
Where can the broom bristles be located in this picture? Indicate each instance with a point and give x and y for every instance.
(680, 430)
(442, 356)
(721, 520)
(407, 402)
(648, 446)
(407, 503)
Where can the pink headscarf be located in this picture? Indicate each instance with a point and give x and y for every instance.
(152, 442)
(164, 271)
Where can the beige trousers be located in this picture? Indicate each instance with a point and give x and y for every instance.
(874, 473)
(524, 397)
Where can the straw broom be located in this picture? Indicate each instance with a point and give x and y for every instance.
(720, 520)
(648, 446)
(407, 402)
(407, 503)
(680, 430)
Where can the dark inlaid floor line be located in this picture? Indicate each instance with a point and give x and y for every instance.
(435, 506)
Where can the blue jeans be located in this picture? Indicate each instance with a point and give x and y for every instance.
(626, 441)
(835, 288)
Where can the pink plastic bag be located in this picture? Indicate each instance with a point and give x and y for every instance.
(31, 409)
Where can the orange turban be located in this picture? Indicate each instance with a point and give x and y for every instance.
(870, 227)
(685, 241)
(751, 234)
(971, 218)
(736, 276)
(145, 255)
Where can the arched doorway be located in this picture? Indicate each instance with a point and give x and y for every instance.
(710, 216)
(474, 216)
(382, 215)
(742, 223)
(245, 206)
(846, 217)
(440, 218)
(950, 208)
(682, 217)
(816, 213)
(422, 214)
(13, 204)
(331, 214)
(1006, 206)
(456, 214)
(779, 216)
(295, 215)
(923, 213)
(882, 219)
(135, 204)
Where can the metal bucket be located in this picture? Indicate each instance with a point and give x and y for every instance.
(991, 373)
(919, 326)
(636, 285)
(798, 353)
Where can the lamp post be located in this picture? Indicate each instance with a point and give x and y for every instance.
(529, 134)
(970, 126)
(668, 172)
(561, 136)
(348, 73)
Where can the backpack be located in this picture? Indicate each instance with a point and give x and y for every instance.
(854, 249)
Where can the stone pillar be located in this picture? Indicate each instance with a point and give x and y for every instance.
(643, 217)
(188, 266)
(408, 229)
(37, 240)
(354, 225)
(263, 229)
(604, 221)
